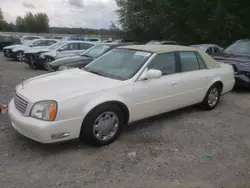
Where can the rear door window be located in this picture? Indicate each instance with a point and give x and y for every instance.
(85, 46)
(189, 61)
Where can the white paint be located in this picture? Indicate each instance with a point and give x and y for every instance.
(77, 92)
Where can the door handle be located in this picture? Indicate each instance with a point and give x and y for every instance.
(174, 82)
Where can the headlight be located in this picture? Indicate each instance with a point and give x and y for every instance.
(45, 110)
(245, 64)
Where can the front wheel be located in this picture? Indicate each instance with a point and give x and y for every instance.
(102, 125)
(212, 97)
(20, 56)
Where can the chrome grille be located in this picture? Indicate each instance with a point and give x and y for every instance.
(20, 103)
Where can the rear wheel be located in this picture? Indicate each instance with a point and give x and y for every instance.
(102, 125)
(212, 97)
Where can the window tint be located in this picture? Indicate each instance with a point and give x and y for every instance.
(200, 60)
(216, 50)
(165, 63)
(51, 42)
(94, 40)
(209, 51)
(69, 47)
(85, 46)
(189, 61)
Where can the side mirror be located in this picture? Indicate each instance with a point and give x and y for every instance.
(59, 50)
(151, 74)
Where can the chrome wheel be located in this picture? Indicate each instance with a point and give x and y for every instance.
(20, 56)
(106, 126)
(213, 97)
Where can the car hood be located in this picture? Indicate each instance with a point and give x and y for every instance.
(12, 46)
(50, 53)
(64, 84)
(25, 48)
(20, 48)
(69, 60)
(36, 50)
(231, 58)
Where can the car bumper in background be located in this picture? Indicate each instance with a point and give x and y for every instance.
(44, 131)
(6, 52)
(242, 81)
(13, 55)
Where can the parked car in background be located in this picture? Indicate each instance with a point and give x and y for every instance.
(124, 41)
(94, 40)
(83, 59)
(18, 52)
(126, 84)
(26, 39)
(58, 37)
(210, 49)
(238, 55)
(7, 41)
(38, 58)
(8, 49)
(157, 42)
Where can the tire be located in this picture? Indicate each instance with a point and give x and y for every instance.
(208, 103)
(20, 56)
(89, 132)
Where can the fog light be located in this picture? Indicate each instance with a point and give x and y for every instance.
(59, 136)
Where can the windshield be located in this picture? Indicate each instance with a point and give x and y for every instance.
(57, 45)
(29, 42)
(242, 47)
(96, 51)
(37, 43)
(120, 64)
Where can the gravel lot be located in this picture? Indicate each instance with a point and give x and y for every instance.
(161, 152)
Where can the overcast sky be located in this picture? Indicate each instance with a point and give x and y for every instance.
(65, 13)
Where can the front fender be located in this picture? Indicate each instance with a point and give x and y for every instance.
(100, 100)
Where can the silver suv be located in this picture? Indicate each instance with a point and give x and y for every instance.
(39, 57)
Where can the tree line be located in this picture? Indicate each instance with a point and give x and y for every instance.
(39, 23)
(185, 21)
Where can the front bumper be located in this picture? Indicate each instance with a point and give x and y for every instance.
(242, 81)
(6, 52)
(32, 59)
(13, 55)
(44, 131)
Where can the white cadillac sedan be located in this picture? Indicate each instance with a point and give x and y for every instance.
(127, 84)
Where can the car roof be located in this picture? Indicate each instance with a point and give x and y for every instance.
(159, 49)
(79, 41)
(114, 44)
(204, 45)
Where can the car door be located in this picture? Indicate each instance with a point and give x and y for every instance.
(195, 77)
(67, 50)
(155, 96)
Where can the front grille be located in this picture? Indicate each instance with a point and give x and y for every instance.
(6, 51)
(20, 103)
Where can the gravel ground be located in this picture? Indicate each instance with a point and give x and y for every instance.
(161, 152)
